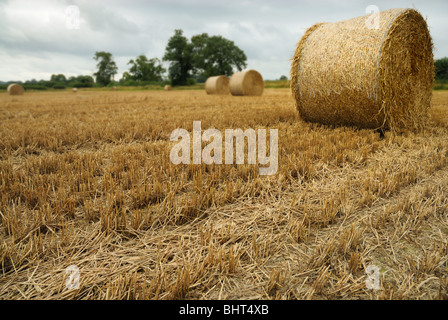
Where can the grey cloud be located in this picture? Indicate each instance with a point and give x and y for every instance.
(267, 31)
(103, 18)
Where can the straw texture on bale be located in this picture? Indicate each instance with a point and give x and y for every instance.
(347, 73)
(217, 85)
(246, 83)
(168, 88)
(15, 89)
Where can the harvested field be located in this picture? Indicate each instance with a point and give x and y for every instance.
(86, 180)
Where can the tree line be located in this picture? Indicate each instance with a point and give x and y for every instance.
(441, 69)
(57, 81)
(189, 61)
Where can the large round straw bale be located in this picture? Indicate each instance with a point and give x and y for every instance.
(75, 90)
(246, 83)
(15, 89)
(168, 88)
(217, 85)
(350, 73)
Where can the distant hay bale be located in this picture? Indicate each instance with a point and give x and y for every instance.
(246, 83)
(114, 88)
(75, 90)
(348, 73)
(168, 88)
(217, 85)
(15, 89)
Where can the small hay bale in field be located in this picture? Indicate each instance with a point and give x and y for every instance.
(114, 88)
(168, 88)
(217, 85)
(246, 83)
(75, 90)
(15, 89)
(348, 73)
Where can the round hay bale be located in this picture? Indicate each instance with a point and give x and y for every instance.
(217, 85)
(114, 88)
(75, 90)
(15, 89)
(246, 83)
(347, 73)
(168, 88)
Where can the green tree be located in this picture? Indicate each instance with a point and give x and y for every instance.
(58, 78)
(441, 66)
(179, 54)
(215, 55)
(107, 68)
(143, 69)
(80, 82)
(126, 76)
(84, 81)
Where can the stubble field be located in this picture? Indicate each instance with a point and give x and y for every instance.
(86, 180)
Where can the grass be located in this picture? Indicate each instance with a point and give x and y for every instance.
(86, 180)
(441, 85)
(269, 84)
(197, 86)
(276, 84)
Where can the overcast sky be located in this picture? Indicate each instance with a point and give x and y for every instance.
(41, 38)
